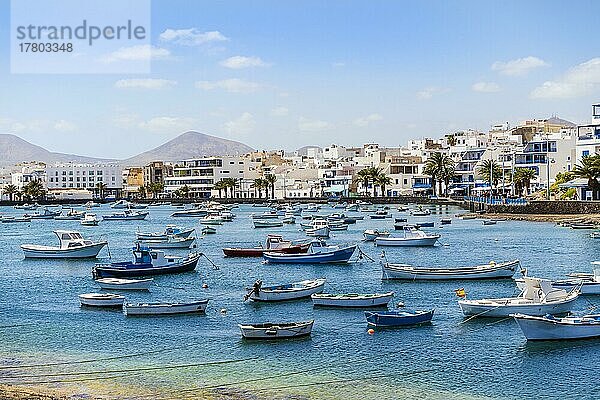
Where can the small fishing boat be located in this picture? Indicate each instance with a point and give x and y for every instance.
(351, 208)
(71, 215)
(338, 226)
(283, 330)
(429, 224)
(44, 214)
(537, 298)
(492, 270)
(127, 215)
(467, 216)
(194, 212)
(274, 243)
(489, 222)
(319, 228)
(267, 223)
(120, 204)
(208, 230)
(595, 235)
(352, 300)
(10, 219)
(211, 220)
(289, 220)
(125, 284)
(147, 262)
(584, 226)
(396, 318)
(165, 308)
(412, 237)
(91, 204)
(27, 206)
(589, 283)
(318, 253)
(108, 300)
(420, 212)
(170, 231)
(400, 220)
(89, 219)
(171, 242)
(72, 245)
(266, 215)
(289, 291)
(446, 221)
(378, 216)
(548, 327)
(371, 234)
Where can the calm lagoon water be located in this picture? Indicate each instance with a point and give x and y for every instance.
(41, 320)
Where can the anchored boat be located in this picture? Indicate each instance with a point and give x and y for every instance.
(127, 215)
(549, 327)
(165, 308)
(283, 330)
(318, 253)
(72, 245)
(492, 270)
(274, 243)
(412, 237)
(289, 291)
(147, 262)
(396, 318)
(124, 284)
(108, 300)
(352, 299)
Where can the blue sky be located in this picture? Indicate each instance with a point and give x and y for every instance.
(283, 74)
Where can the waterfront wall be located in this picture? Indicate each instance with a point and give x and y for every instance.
(547, 207)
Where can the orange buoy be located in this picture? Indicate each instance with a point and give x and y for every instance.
(371, 331)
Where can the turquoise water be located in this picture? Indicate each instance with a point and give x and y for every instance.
(41, 321)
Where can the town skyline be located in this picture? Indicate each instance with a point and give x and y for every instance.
(363, 77)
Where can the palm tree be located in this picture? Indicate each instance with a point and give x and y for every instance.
(438, 166)
(589, 169)
(490, 172)
(142, 191)
(447, 174)
(100, 188)
(382, 181)
(155, 188)
(185, 191)
(369, 174)
(34, 190)
(451, 140)
(259, 184)
(10, 190)
(220, 185)
(364, 177)
(270, 180)
(522, 179)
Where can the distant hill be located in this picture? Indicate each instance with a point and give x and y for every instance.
(189, 145)
(14, 150)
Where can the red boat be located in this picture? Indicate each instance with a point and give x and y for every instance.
(274, 244)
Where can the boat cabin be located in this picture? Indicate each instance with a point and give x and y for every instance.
(541, 290)
(145, 255)
(71, 239)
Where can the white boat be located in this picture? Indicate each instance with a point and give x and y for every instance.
(127, 215)
(72, 245)
(289, 220)
(165, 308)
(125, 284)
(589, 283)
(44, 214)
(412, 237)
(211, 220)
(266, 215)
(91, 204)
(109, 300)
(267, 223)
(284, 330)
(10, 219)
(351, 208)
(487, 271)
(371, 234)
(170, 231)
(538, 298)
(194, 212)
(71, 215)
(489, 222)
(90, 219)
(420, 212)
(124, 204)
(352, 299)
(319, 228)
(172, 242)
(549, 327)
(290, 291)
(595, 235)
(27, 206)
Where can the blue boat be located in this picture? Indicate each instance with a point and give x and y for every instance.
(387, 319)
(147, 262)
(318, 253)
(425, 225)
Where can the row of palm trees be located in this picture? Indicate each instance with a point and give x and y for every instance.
(376, 177)
(153, 189)
(441, 169)
(33, 190)
(229, 186)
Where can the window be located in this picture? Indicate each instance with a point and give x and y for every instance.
(585, 153)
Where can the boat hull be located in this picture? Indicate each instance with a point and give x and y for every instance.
(409, 242)
(175, 244)
(90, 251)
(349, 301)
(99, 300)
(276, 331)
(291, 294)
(108, 271)
(165, 308)
(124, 284)
(392, 319)
(490, 271)
(535, 328)
(337, 256)
(472, 308)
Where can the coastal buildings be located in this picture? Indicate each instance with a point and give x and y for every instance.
(63, 177)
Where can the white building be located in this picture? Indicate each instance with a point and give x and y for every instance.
(84, 176)
(588, 136)
(29, 172)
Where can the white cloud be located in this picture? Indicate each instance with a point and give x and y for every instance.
(431, 91)
(239, 62)
(520, 66)
(485, 87)
(365, 121)
(191, 37)
(230, 85)
(65, 126)
(144, 52)
(163, 124)
(242, 125)
(580, 80)
(279, 112)
(307, 125)
(144, 83)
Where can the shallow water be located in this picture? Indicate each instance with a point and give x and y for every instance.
(480, 358)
